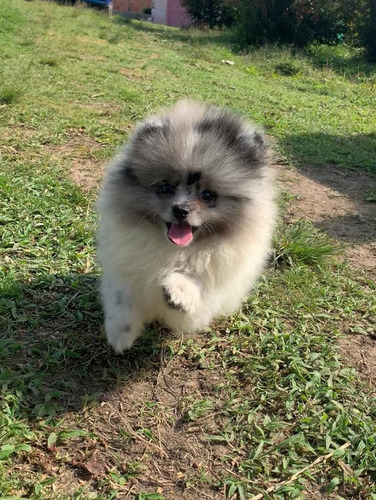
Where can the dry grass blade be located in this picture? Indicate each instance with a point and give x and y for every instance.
(137, 436)
(300, 472)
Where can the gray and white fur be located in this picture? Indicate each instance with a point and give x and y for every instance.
(186, 218)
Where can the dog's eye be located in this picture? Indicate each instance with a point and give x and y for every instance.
(166, 189)
(207, 196)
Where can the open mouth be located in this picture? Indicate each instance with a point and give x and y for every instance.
(180, 234)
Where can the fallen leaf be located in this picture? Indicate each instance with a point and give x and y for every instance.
(97, 469)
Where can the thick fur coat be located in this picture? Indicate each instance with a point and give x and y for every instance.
(186, 218)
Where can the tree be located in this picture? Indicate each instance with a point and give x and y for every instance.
(297, 22)
(368, 30)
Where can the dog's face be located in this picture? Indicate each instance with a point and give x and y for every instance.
(191, 172)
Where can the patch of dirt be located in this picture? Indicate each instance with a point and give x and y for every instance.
(143, 438)
(83, 57)
(335, 201)
(89, 40)
(179, 450)
(360, 352)
(86, 173)
(85, 170)
(134, 74)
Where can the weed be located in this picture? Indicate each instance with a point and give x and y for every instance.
(301, 243)
(287, 68)
(199, 409)
(371, 196)
(9, 94)
(49, 61)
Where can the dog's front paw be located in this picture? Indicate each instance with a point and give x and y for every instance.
(173, 300)
(181, 293)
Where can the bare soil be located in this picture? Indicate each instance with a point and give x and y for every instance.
(143, 433)
(85, 171)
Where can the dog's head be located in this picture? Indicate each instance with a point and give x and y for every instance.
(192, 171)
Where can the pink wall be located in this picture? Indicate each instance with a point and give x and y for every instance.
(176, 14)
(133, 6)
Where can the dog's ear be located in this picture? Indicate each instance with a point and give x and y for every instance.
(240, 136)
(151, 129)
(222, 125)
(252, 146)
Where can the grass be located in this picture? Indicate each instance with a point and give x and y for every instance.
(9, 94)
(248, 403)
(300, 243)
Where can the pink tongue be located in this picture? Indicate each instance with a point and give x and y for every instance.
(180, 235)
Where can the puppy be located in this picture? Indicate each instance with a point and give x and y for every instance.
(186, 218)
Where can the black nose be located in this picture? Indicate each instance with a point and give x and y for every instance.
(180, 212)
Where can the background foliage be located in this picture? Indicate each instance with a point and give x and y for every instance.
(296, 22)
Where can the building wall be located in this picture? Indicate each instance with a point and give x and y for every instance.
(170, 12)
(176, 14)
(131, 6)
(159, 11)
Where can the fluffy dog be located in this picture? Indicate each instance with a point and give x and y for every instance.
(186, 218)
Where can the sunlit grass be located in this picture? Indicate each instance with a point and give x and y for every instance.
(74, 83)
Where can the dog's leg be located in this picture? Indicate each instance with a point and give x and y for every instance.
(123, 323)
(181, 292)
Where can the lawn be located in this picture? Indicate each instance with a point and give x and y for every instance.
(261, 403)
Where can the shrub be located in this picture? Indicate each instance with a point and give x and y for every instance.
(210, 12)
(297, 22)
(368, 30)
(287, 68)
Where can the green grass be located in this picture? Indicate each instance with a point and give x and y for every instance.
(246, 404)
(300, 243)
(9, 94)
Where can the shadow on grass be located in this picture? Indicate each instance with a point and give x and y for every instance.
(53, 353)
(353, 229)
(353, 152)
(343, 60)
(188, 35)
(346, 165)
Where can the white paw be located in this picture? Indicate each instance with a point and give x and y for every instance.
(181, 293)
(120, 336)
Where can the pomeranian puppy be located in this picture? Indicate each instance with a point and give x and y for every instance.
(186, 218)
